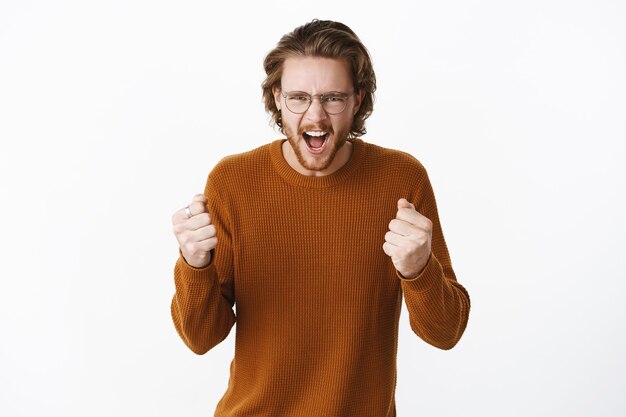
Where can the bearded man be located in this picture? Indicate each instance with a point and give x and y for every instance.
(314, 240)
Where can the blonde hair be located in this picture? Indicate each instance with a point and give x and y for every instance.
(328, 39)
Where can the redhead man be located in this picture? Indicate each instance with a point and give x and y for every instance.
(310, 243)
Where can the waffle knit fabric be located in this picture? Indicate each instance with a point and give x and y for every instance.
(317, 300)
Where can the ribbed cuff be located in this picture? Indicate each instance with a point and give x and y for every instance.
(196, 274)
(431, 273)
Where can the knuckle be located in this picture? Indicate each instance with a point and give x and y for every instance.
(414, 245)
(190, 247)
(209, 244)
(193, 209)
(390, 249)
(184, 239)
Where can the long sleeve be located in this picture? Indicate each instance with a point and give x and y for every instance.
(438, 305)
(317, 300)
(202, 307)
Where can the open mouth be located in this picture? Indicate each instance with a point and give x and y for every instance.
(315, 140)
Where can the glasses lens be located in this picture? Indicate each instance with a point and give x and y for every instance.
(334, 103)
(297, 102)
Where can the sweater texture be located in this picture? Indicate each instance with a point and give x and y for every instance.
(299, 267)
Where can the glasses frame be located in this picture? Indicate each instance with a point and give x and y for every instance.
(321, 98)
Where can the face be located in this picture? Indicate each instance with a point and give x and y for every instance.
(315, 135)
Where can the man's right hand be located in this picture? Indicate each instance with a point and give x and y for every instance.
(196, 235)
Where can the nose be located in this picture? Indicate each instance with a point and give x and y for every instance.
(316, 112)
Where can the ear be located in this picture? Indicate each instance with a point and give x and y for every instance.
(277, 96)
(358, 99)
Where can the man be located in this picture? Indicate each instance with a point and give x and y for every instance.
(314, 240)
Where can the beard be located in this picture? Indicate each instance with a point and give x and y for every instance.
(316, 162)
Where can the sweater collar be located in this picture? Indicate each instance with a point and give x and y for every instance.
(294, 177)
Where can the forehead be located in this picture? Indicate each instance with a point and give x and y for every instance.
(316, 75)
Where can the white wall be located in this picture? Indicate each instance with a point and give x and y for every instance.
(112, 114)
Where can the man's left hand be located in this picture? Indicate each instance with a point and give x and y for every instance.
(408, 240)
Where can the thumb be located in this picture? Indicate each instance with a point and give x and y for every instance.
(200, 198)
(404, 203)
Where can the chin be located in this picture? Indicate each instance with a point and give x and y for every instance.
(315, 145)
(315, 158)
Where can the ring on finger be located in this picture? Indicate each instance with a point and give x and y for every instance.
(188, 212)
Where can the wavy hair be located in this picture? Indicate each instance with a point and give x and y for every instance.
(327, 39)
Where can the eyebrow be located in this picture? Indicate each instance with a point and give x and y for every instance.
(309, 94)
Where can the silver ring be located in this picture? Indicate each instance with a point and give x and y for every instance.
(188, 212)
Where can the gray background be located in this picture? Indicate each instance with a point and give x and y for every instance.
(112, 114)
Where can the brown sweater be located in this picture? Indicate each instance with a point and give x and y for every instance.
(317, 300)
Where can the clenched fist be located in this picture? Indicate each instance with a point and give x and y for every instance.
(195, 234)
(408, 240)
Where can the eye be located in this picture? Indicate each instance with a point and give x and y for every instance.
(298, 98)
(333, 99)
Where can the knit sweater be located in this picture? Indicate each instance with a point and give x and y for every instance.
(317, 300)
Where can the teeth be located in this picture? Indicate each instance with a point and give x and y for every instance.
(316, 133)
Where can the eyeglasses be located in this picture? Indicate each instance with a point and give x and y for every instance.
(333, 102)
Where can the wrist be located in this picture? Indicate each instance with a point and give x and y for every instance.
(198, 262)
